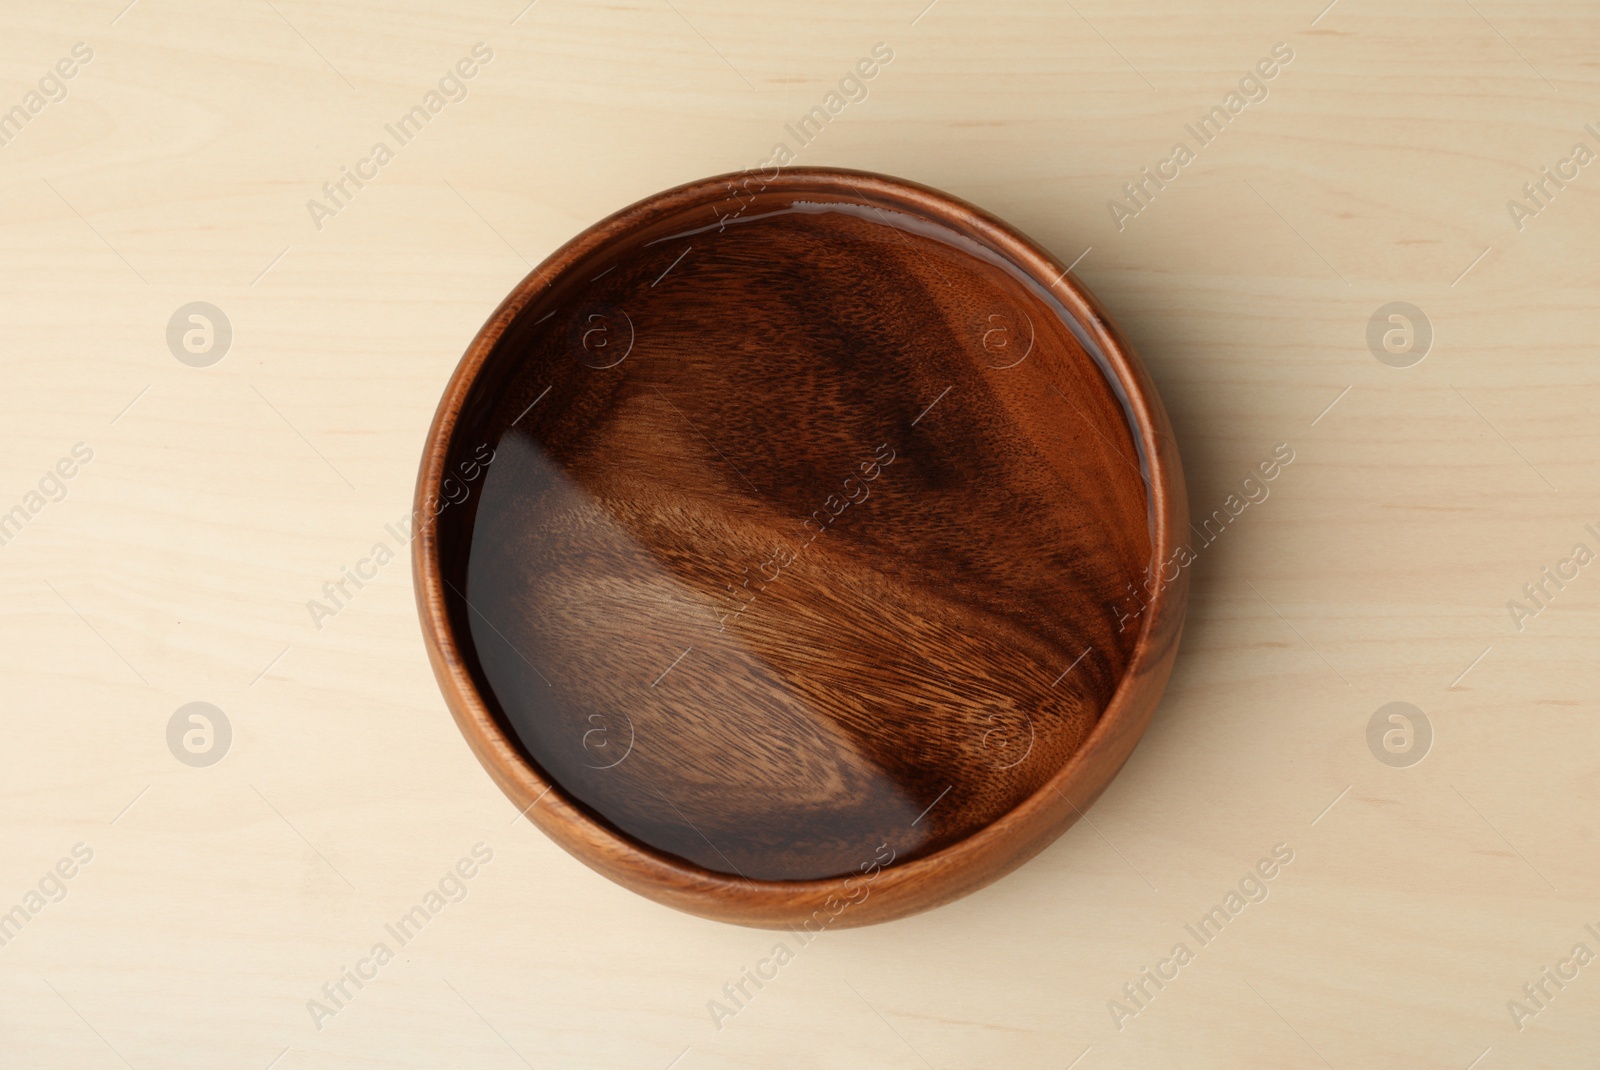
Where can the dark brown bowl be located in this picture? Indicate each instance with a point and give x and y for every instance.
(801, 549)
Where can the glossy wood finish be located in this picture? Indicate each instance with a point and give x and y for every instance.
(786, 539)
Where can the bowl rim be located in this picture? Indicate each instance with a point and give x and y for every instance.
(898, 888)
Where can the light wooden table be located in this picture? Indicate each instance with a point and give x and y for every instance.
(218, 500)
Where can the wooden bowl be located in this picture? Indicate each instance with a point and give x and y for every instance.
(801, 549)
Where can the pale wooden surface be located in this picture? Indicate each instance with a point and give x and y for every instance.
(223, 899)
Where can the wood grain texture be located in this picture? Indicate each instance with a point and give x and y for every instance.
(220, 500)
(875, 622)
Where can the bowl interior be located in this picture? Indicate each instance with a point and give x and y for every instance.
(787, 525)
